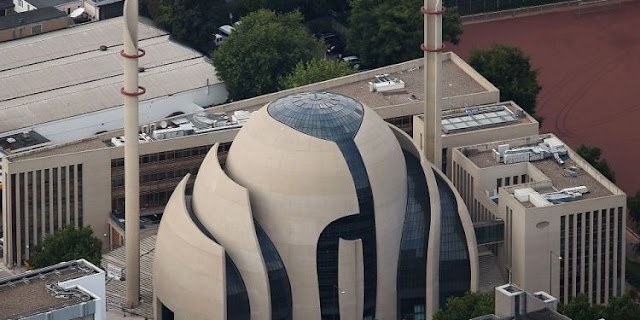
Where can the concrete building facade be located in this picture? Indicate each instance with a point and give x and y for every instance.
(340, 216)
(26, 24)
(564, 221)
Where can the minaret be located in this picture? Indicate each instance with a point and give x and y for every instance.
(131, 91)
(432, 47)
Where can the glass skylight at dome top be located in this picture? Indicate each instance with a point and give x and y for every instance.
(323, 115)
(477, 120)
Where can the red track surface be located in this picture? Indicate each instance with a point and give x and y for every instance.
(589, 68)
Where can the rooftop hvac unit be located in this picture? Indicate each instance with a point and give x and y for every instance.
(538, 200)
(382, 83)
(523, 194)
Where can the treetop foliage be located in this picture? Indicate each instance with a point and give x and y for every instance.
(384, 32)
(509, 69)
(264, 49)
(471, 305)
(619, 308)
(68, 244)
(592, 156)
(316, 70)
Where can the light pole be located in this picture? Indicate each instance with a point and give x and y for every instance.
(551, 254)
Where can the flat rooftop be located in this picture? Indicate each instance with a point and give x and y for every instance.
(21, 141)
(27, 294)
(459, 82)
(456, 82)
(569, 175)
(62, 74)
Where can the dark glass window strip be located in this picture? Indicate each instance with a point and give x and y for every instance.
(166, 313)
(38, 208)
(279, 285)
(454, 266)
(14, 222)
(578, 253)
(603, 253)
(563, 229)
(54, 199)
(357, 226)
(612, 227)
(23, 213)
(72, 194)
(80, 200)
(595, 253)
(238, 307)
(63, 195)
(587, 252)
(412, 264)
(570, 258)
(619, 248)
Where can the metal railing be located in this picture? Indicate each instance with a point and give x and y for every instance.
(517, 12)
(582, 6)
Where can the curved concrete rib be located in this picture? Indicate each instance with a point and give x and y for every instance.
(408, 145)
(223, 208)
(187, 263)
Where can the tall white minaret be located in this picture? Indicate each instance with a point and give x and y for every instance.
(131, 91)
(432, 47)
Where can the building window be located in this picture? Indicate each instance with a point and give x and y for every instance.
(166, 313)
(36, 29)
(20, 3)
(507, 181)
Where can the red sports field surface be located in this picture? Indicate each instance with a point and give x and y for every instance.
(589, 69)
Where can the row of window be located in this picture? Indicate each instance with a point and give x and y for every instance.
(42, 202)
(512, 181)
(588, 262)
(172, 155)
(118, 181)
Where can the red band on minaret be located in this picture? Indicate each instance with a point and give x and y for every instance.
(141, 91)
(425, 49)
(426, 11)
(133, 56)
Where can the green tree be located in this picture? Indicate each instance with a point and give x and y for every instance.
(592, 156)
(384, 32)
(619, 308)
(509, 69)
(633, 204)
(580, 309)
(471, 305)
(263, 50)
(67, 244)
(316, 70)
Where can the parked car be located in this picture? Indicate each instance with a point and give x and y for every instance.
(353, 61)
(334, 45)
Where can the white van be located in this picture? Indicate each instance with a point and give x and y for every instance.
(223, 33)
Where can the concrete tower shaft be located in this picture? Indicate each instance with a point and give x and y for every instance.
(131, 90)
(432, 47)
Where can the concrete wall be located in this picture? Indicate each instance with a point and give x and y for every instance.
(187, 264)
(96, 285)
(27, 30)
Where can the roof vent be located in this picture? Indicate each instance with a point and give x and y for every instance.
(141, 69)
(103, 48)
(11, 140)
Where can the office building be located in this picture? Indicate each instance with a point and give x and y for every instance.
(322, 210)
(564, 222)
